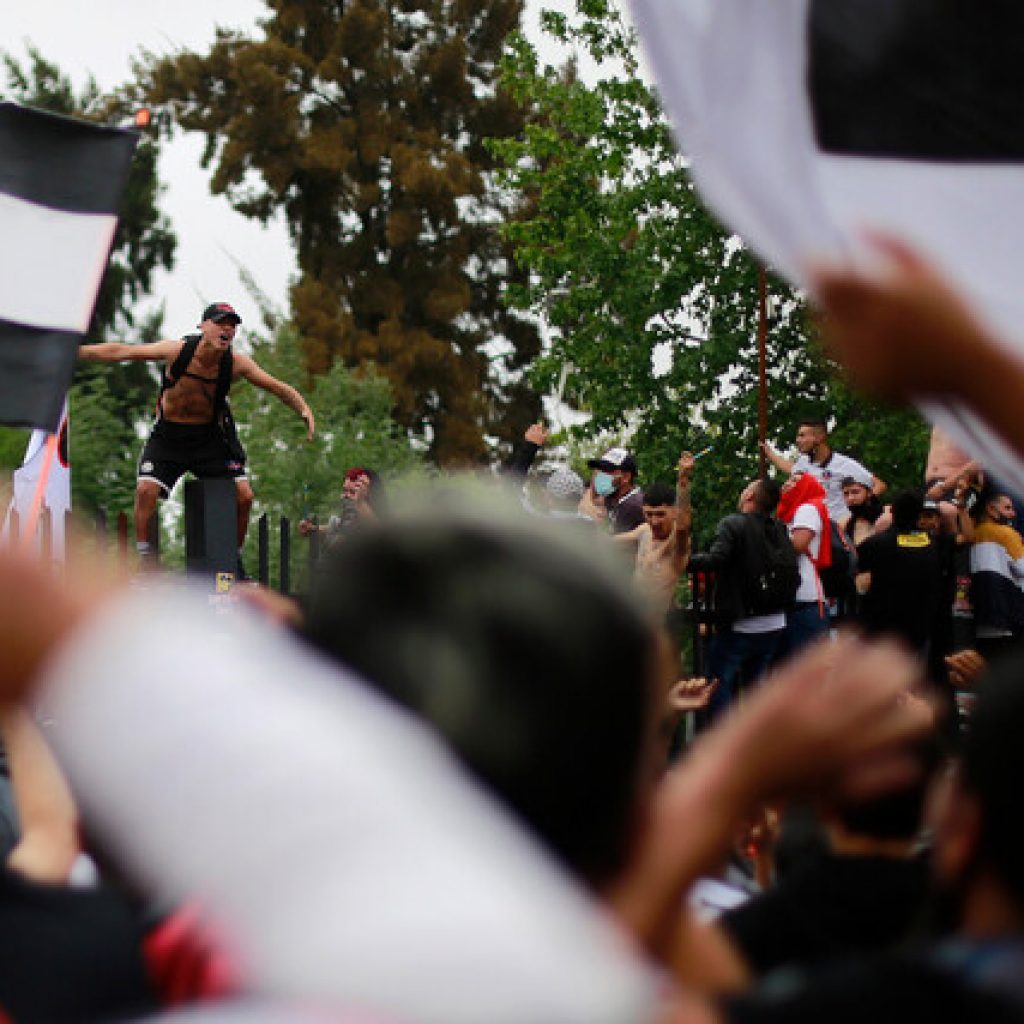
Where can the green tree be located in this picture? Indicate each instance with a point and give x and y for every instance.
(107, 403)
(652, 305)
(362, 123)
(294, 477)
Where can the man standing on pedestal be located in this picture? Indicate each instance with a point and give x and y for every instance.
(194, 430)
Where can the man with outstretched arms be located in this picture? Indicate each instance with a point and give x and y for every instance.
(194, 430)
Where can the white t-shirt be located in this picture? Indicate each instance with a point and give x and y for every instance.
(831, 476)
(808, 518)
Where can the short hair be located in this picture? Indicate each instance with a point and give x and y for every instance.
(906, 508)
(992, 767)
(659, 494)
(988, 494)
(815, 421)
(766, 495)
(528, 657)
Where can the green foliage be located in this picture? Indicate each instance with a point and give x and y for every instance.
(13, 442)
(652, 306)
(362, 123)
(294, 477)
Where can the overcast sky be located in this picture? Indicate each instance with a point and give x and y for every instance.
(100, 38)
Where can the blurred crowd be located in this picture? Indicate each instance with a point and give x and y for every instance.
(473, 776)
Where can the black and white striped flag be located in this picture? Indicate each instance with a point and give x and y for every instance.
(809, 121)
(61, 182)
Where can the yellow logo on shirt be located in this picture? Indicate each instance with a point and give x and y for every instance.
(913, 540)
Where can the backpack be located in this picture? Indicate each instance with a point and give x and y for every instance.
(837, 577)
(222, 416)
(772, 575)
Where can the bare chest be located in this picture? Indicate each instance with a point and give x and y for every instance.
(192, 398)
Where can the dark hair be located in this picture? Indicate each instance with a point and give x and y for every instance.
(992, 769)
(527, 657)
(659, 494)
(906, 507)
(818, 422)
(766, 495)
(989, 493)
(898, 814)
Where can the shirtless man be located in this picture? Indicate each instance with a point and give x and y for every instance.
(662, 541)
(188, 433)
(949, 473)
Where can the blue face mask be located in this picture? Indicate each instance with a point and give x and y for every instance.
(604, 484)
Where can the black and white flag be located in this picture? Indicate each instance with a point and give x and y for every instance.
(809, 121)
(61, 182)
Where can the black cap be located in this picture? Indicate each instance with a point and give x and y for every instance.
(218, 311)
(614, 458)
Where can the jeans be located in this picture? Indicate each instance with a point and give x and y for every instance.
(730, 652)
(804, 624)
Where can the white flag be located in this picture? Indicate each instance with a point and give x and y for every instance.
(809, 121)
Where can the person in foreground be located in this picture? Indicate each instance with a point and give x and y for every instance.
(391, 879)
(974, 970)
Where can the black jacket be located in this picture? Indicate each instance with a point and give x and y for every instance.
(730, 560)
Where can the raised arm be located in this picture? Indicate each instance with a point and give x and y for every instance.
(255, 374)
(838, 716)
(117, 352)
(909, 335)
(534, 439)
(779, 461)
(684, 519)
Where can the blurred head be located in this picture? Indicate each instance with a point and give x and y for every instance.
(350, 485)
(563, 489)
(999, 509)
(798, 490)
(906, 509)
(745, 503)
(524, 653)
(614, 472)
(897, 814)
(930, 519)
(660, 511)
(979, 828)
(362, 482)
(810, 434)
(855, 494)
(765, 496)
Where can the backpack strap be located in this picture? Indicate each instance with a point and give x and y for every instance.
(170, 377)
(227, 363)
(184, 357)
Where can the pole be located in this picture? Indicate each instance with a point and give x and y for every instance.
(28, 535)
(762, 369)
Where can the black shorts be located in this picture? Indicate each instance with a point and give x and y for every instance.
(197, 448)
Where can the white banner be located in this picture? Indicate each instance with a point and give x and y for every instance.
(56, 496)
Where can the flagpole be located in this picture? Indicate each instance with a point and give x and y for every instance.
(762, 368)
(28, 531)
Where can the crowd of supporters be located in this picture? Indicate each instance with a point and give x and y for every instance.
(447, 785)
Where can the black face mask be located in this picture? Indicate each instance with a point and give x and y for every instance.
(869, 511)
